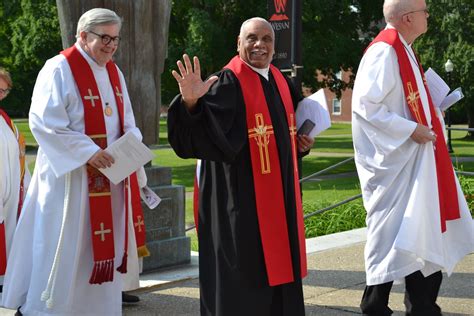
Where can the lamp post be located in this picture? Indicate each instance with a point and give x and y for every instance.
(449, 67)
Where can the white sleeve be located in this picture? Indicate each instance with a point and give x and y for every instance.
(377, 78)
(54, 110)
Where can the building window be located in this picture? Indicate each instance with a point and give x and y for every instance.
(336, 107)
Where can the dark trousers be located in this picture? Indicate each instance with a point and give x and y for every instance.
(420, 296)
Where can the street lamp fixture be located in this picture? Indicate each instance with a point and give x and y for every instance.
(449, 67)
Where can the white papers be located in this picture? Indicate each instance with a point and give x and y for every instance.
(129, 154)
(149, 197)
(452, 98)
(438, 88)
(439, 91)
(314, 108)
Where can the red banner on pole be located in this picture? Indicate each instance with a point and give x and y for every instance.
(280, 17)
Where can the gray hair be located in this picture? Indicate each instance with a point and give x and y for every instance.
(393, 10)
(254, 19)
(5, 75)
(94, 17)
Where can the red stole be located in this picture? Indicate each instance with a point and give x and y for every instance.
(271, 211)
(447, 191)
(21, 146)
(100, 203)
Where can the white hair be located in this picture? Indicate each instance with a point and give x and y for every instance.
(254, 19)
(393, 10)
(94, 17)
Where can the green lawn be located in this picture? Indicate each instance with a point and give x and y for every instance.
(331, 147)
(22, 125)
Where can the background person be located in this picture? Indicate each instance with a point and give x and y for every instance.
(418, 221)
(14, 175)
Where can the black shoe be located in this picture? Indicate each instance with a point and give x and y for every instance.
(18, 313)
(129, 299)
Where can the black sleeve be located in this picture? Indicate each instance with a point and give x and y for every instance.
(216, 129)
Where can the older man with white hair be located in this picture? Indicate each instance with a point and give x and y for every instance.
(241, 124)
(74, 242)
(418, 221)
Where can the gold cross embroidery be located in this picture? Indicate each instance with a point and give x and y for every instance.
(91, 97)
(261, 133)
(412, 99)
(139, 223)
(102, 232)
(117, 93)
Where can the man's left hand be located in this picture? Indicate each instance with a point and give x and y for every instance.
(305, 143)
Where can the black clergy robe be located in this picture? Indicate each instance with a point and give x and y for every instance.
(232, 272)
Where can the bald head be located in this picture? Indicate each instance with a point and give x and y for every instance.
(393, 10)
(409, 17)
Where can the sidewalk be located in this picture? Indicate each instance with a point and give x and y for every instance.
(334, 285)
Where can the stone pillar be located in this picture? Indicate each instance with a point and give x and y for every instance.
(141, 56)
(165, 225)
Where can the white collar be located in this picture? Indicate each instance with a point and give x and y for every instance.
(404, 42)
(262, 71)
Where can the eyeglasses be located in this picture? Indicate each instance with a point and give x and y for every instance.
(422, 10)
(106, 39)
(5, 91)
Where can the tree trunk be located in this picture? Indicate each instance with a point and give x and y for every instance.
(141, 53)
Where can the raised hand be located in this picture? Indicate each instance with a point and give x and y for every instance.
(191, 86)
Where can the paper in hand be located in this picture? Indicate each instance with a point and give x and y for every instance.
(438, 88)
(129, 154)
(452, 98)
(150, 198)
(315, 109)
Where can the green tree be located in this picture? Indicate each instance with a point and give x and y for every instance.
(207, 29)
(29, 33)
(450, 36)
(335, 34)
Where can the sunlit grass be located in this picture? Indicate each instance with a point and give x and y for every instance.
(331, 147)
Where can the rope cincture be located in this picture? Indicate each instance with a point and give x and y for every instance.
(48, 293)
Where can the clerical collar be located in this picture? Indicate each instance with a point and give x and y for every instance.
(262, 71)
(407, 46)
(89, 59)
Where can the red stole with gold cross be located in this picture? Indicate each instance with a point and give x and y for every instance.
(269, 194)
(21, 146)
(447, 190)
(100, 203)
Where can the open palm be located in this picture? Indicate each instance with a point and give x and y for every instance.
(191, 86)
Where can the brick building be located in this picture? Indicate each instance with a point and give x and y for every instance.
(339, 109)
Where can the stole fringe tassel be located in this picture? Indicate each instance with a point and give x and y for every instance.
(123, 266)
(143, 252)
(103, 272)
